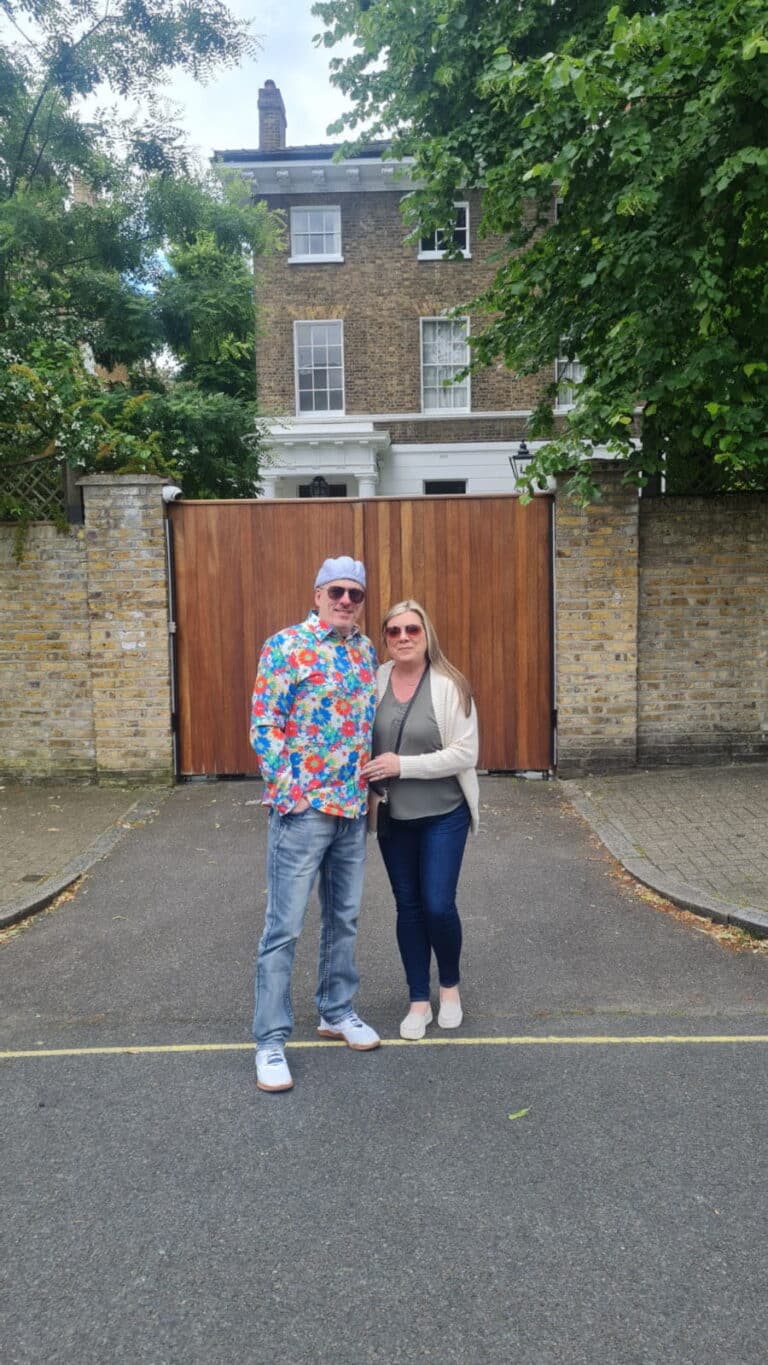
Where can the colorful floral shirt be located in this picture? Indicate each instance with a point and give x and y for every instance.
(312, 717)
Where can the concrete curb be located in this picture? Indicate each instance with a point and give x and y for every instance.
(24, 906)
(681, 893)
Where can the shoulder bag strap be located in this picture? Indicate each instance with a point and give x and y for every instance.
(419, 686)
(382, 788)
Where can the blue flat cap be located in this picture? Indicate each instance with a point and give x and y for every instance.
(343, 567)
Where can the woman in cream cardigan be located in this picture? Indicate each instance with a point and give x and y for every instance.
(431, 792)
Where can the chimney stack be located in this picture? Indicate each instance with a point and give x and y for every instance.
(272, 122)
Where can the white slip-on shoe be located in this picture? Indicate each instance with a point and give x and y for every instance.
(352, 1031)
(451, 1014)
(272, 1071)
(414, 1025)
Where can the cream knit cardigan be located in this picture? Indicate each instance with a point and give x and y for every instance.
(458, 757)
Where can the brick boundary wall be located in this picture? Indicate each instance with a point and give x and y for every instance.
(703, 670)
(84, 642)
(661, 629)
(661, 621)
(46, 711)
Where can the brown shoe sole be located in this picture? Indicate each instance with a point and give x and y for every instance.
(356, 1047)
(273, 1089)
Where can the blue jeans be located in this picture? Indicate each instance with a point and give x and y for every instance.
(423, 861)
(298, 847)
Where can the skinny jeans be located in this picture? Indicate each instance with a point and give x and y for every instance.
(423, 861)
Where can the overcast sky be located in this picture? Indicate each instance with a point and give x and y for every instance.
(224, 113)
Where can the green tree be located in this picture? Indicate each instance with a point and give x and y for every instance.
(647, 123)
(202, 416)
(115, 252)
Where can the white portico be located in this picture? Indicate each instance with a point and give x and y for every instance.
(323, 459)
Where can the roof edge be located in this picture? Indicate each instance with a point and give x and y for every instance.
(321, 151)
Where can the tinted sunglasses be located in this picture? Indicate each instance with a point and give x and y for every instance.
(394, 632)
(355, 595)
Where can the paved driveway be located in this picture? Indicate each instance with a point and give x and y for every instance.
(575, 1177)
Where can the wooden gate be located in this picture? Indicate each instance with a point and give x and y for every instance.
(482, 567)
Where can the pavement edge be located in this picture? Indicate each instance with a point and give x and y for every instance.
(143, 809)
(750, 918)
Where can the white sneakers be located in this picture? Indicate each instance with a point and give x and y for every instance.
(351, 1030)
(414, 1025)
(272, 1071)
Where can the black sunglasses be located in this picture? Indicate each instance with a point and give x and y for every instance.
(355, 595)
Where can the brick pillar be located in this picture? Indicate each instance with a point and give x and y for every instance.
(128, 614)
(596, 627)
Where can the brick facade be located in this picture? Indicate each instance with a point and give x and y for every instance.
(482, 430)
(379, 291)
(84, 653)
(382, 436)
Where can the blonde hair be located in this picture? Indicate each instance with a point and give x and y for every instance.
(435, 654)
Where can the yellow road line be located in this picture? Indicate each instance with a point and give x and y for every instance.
(519, 1040)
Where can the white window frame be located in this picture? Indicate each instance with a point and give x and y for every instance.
(315, 413)
(331, 257)
(437, 252)
(568, 371)
(449, 409)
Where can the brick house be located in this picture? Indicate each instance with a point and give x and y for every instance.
(354, 342)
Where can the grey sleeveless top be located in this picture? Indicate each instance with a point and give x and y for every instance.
(413, 798)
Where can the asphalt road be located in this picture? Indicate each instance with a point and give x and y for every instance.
(574, 1177)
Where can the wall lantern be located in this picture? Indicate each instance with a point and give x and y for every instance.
(520, 462)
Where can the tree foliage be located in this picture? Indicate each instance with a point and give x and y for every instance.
(647, 123)
(126, 285)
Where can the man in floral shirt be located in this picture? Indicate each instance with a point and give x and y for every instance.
(311, 726)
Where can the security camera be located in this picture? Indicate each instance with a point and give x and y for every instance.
(171, 493)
